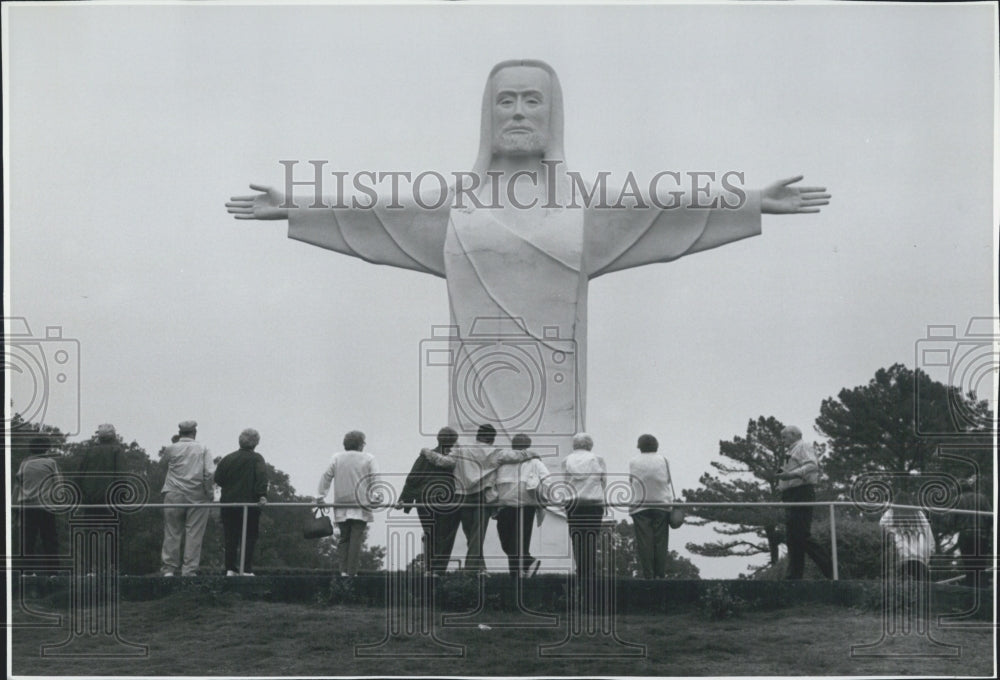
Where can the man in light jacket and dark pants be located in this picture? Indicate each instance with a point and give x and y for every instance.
(797, 482)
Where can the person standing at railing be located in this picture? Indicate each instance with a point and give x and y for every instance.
(975, 536)
(33, 484)
(243, 478)
(475, 479)
(432, 489)
(352, 472)
(649, 474)
(520, 489)
(586, 476)
(99, 468)
(190, 473)
(796, 482)
(911, 537)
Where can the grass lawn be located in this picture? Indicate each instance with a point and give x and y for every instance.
(230, 636)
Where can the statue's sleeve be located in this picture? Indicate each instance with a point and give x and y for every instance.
(620, 238)
(410, 237)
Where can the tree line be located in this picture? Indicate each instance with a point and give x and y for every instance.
(901, 431)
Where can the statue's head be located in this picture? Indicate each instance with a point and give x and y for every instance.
(522, 105)
(522, 113)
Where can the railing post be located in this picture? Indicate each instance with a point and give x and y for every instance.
(243, 539)
(833, 542)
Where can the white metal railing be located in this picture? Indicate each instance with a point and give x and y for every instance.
(454, 505)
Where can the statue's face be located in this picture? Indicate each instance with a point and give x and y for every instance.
(522, 104)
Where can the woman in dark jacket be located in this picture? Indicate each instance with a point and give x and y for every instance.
(243, 478)
(432, 490)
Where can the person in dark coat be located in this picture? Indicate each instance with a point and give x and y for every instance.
(432, 489)
(101, 465)
(243, 478)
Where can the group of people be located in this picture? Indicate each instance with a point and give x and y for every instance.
(188, 490)
(453, 486)
(190, 484)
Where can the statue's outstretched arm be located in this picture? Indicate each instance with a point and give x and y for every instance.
(644, 233)
(407, 235)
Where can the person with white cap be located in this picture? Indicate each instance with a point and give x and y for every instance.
(190, 479)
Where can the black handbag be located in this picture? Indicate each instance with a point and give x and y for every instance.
(318, 526)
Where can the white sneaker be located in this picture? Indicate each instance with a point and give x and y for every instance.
(167, 574)
(230, 572)
(247, 573)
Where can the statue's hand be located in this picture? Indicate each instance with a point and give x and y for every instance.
(782, 199)
(262, 206)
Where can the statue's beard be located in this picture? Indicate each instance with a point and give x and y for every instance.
(520, 144)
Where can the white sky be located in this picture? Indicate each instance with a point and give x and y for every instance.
(128, 127)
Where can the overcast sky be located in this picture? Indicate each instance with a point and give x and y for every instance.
(127, 129)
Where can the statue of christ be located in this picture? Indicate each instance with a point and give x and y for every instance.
(518, 252)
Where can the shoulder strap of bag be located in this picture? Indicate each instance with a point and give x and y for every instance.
(670, 478)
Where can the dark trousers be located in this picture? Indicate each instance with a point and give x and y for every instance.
(232, 526)
(440, 529)
(798, 525)
(473, 516)
(352, 537)
(585, 526)
(652, 536)
(39, 525)
(514, 526)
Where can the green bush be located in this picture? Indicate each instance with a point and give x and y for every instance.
(718, 603)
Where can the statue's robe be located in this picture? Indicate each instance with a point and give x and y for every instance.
(518, 294)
